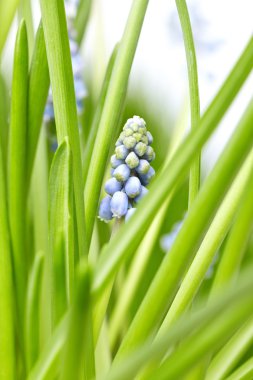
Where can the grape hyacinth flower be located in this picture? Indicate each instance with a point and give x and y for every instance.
(130, 169)
(71, 7)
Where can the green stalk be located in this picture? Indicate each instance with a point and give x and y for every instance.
(244, 372)
(7, 12)
(229, 356)
(97, 116)
(112, 107)
(209, 246)
(130, 235)
(163, 287)
(193, 89)
(38, 90)
(82, 19)
(7, 334)
(61, 76)
(26, 13)
(78, 353)
(17, 165)
(238, 239)
(32, 319)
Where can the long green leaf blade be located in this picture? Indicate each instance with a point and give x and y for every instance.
(7, 12)
(61, 76)
(38, 90)
(17, 164)
(193, 90)
(61, 229)
(7, 334)
(32, 320)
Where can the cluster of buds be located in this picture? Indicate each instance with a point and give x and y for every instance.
(131, 171)
(71, 7)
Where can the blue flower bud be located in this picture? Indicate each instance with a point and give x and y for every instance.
(129, 213)
(122, 173)
(119, 204)
(150, 154)
(121, 152)
(132, 160)
(129, 142)
(105, 213)
(49, 112)
(145, 178)
(80, 89)
(143, 192)
(140, 148)
(143, 167)
(133, 187)
(112, 185)
(150, 137)
(115, 162)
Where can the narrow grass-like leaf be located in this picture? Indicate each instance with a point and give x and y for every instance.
(238, 239)
(111, 110)
(17, 164)
(245, 372)
(7, 335)
(26, 13)
(61, 76)
(7, 12)
(82, 19)
(38, 90)
(78, 358)
(210, 245)
(97, 116)
(61, 229)
(3, 120)
(193, 89)
(204, 341)
(231, 353)
(131, 234)
(47, 366)
(163, 287)
(32, 320)
(128, 367)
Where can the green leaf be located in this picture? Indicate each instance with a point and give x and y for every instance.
(17, 165)
(97, 116)
(238, 239)
(129, 366)
(130, 235)
(111, 110)
(231, 353)
(7, 335)
(205, 341)
(210, 244)
(245, 372)
(47, 366)
(3, 120)
(38, 90)
(79, 351)
(61, 76)
(61, 229)
(193, 89)
(7, 12)
(32, 320)
(82, 19)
